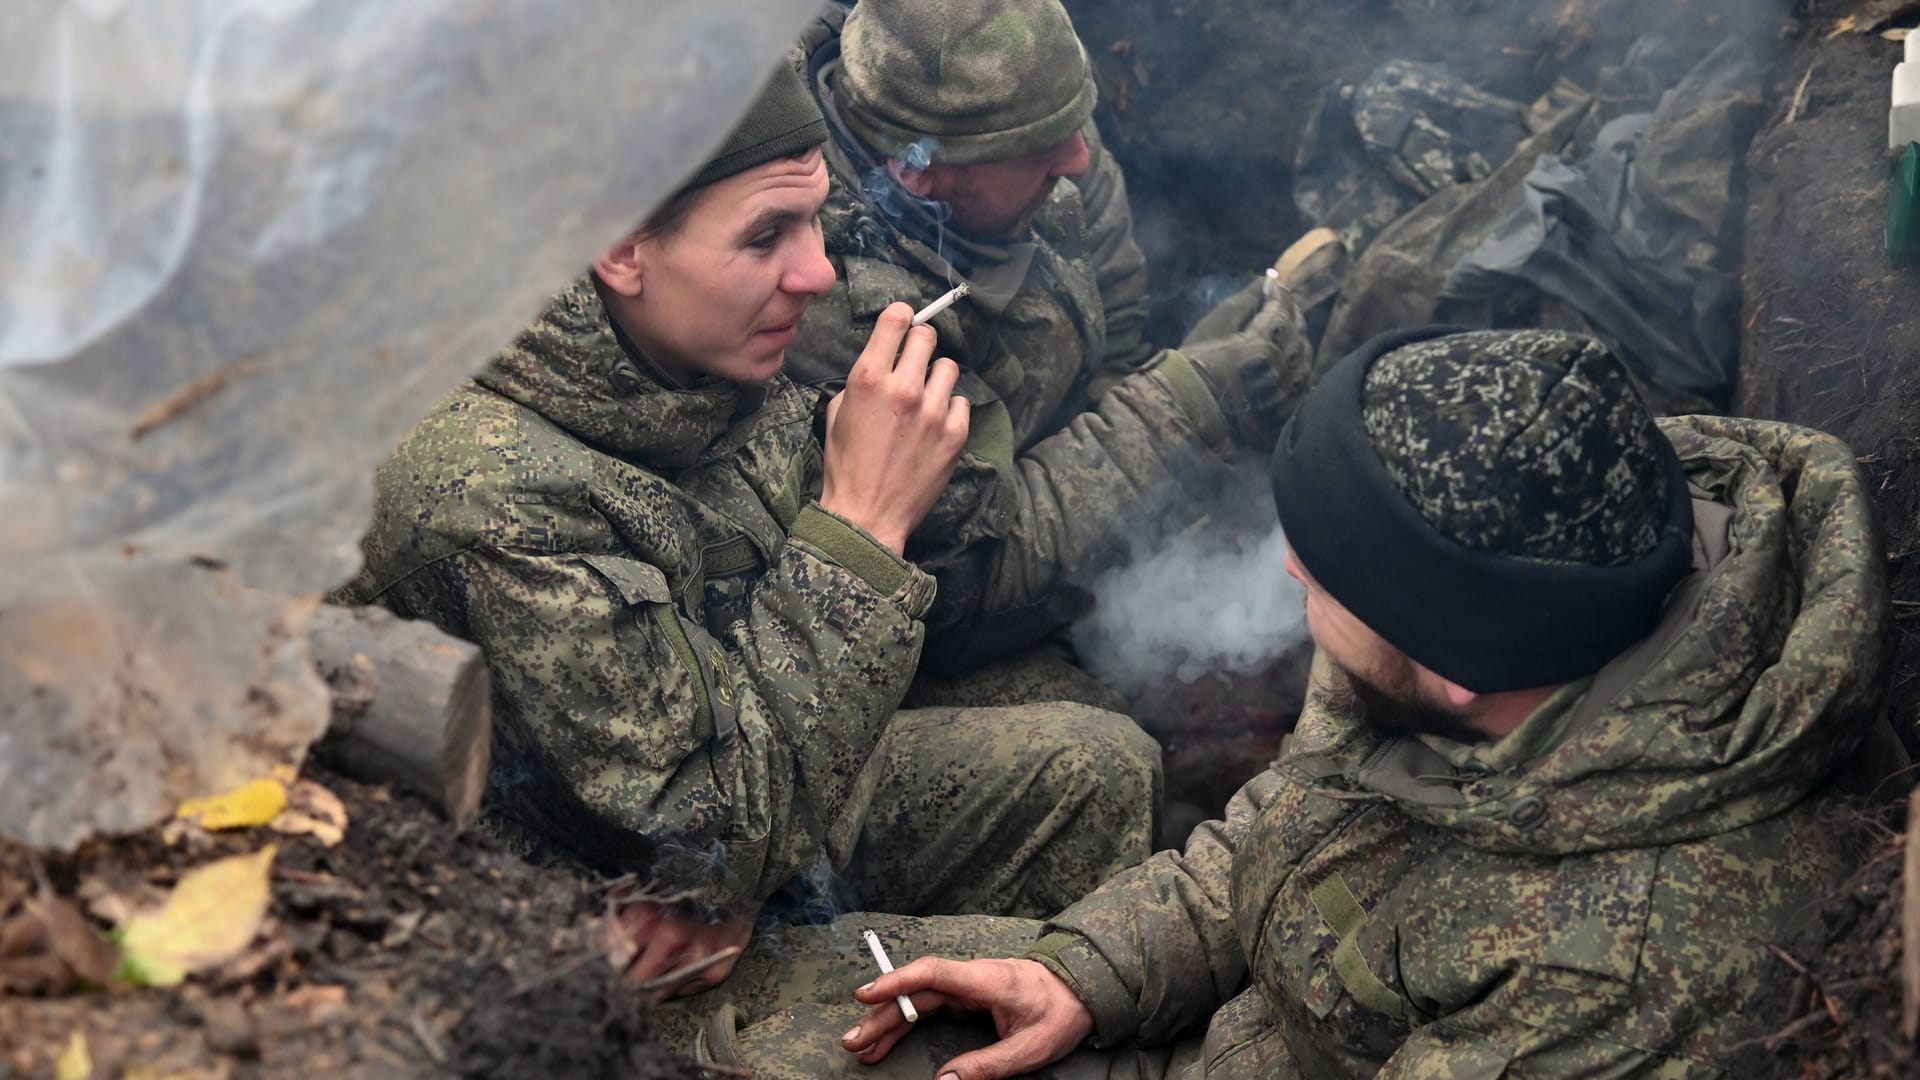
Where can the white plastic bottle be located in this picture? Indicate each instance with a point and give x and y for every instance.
(1903, 120)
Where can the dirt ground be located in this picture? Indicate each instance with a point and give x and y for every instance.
(407, 950)
(1832, 335)
(1832, 339)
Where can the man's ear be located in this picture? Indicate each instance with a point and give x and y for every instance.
(916, 181)
(622, 267)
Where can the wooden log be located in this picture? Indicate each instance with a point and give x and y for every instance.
(412, 706)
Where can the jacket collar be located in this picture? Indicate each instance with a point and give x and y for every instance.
(574, 368)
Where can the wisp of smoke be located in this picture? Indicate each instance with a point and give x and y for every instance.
(1212, 598)
(897, 202)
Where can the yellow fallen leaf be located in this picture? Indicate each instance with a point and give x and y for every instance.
(75, 1063)
(1844, 26)
(249, 804)
(210, 917)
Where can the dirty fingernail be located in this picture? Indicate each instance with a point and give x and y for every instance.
(852, 1036)
(864, 989)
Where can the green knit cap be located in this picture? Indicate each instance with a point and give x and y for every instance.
(981, 80)
(783, 121)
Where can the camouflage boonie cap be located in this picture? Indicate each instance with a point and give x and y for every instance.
(1531, 444)
(973, 80)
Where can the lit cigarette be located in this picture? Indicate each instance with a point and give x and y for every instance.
(940, 305)
(873, 940)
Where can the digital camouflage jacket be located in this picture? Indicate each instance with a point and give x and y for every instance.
(691, 659)
(1590, 895)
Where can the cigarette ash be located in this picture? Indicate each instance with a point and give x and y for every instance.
(1210, 599)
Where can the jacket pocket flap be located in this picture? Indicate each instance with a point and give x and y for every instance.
(635, 581)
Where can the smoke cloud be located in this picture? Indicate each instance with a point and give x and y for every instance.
(1211, 599)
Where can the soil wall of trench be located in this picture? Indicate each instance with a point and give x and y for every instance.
(1831, 339)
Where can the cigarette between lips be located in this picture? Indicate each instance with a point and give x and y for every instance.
(880, 953)
(941, 304)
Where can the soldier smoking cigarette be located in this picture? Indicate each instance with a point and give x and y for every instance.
(873, 940)
(941, 304)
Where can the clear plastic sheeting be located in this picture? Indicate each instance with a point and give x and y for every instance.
(248, 242)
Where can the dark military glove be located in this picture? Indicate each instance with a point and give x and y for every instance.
(1252, 351)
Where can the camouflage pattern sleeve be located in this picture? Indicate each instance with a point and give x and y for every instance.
(1010, 537)
(1119, 265)
(1155, 951)
(829, 645)
(722, 764)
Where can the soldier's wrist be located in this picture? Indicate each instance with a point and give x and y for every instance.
(1195, 393)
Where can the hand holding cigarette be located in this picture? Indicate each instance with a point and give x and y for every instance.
(894, 433)
(886, 966)
(1039, 1017)
(941, 303)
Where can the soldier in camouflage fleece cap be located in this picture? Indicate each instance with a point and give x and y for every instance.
(962, 151)
(983, 81)
(1577, 877)
(1533, 517)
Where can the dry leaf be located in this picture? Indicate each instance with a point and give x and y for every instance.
(91, 956)
(1844, 26)
(321, 1002)
(119, 901)
(313, 811)
(1898, 33)
(401, 930)
(51, 948)
(75, 1063)
(27, 963)
(212, 914)
(249, 804)
(313, 994)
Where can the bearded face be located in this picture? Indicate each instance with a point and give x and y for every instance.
(1388, 703)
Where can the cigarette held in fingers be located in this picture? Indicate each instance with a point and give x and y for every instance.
(945, 301)
(873, 940)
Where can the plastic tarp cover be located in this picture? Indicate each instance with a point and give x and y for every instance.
(248, 243)
(1635, 236)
